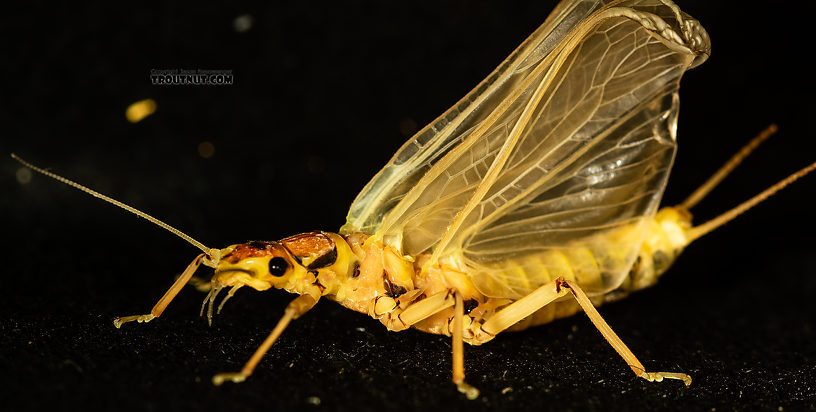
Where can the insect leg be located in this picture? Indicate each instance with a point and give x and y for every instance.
(551, 291)
(294, 310)
(520, 309)
(614, 340)
(458, 351)
(396, 319)
(168, 296)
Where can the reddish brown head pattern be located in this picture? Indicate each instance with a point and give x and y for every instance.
(254, 249)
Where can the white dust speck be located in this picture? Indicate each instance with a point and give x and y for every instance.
(23, 175)
(243, 23)
(313, 400)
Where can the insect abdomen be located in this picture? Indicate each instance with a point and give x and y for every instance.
(663, 242)
(667, 236)
(531, 271)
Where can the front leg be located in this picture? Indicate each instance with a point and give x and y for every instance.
(297, 307)
(166, 299)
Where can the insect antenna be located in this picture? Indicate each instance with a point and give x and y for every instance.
(727, 168)
(700, 230)
(212, 254)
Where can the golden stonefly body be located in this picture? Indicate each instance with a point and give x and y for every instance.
(532, 198)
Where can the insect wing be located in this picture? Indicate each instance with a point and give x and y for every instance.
(561, 171)
(419, 154)
(591, 163)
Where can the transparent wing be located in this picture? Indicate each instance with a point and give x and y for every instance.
(572, 157)
(416, 157)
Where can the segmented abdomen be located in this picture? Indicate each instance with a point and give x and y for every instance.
(607, 268)
(531, 271)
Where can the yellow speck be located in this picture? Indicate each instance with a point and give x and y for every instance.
(23, 175)
(206, 149)
(139, 110)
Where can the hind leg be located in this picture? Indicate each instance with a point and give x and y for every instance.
(555, 289)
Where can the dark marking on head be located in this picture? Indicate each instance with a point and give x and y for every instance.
(470, 305)
(258, 245)
(391, 289)
(325, 260)
(356, 271)
(254, 249)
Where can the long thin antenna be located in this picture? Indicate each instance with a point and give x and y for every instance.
(727, 168)
(700, 230)
(210, 252)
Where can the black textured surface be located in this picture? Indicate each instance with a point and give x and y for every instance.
(319, 100)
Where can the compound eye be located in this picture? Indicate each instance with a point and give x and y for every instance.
(278, 266)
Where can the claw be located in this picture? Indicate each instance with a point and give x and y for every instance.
(236, 377)
(470, 392)
(138, 318)
(659, 376)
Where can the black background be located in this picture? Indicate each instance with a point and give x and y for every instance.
(323, 96)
